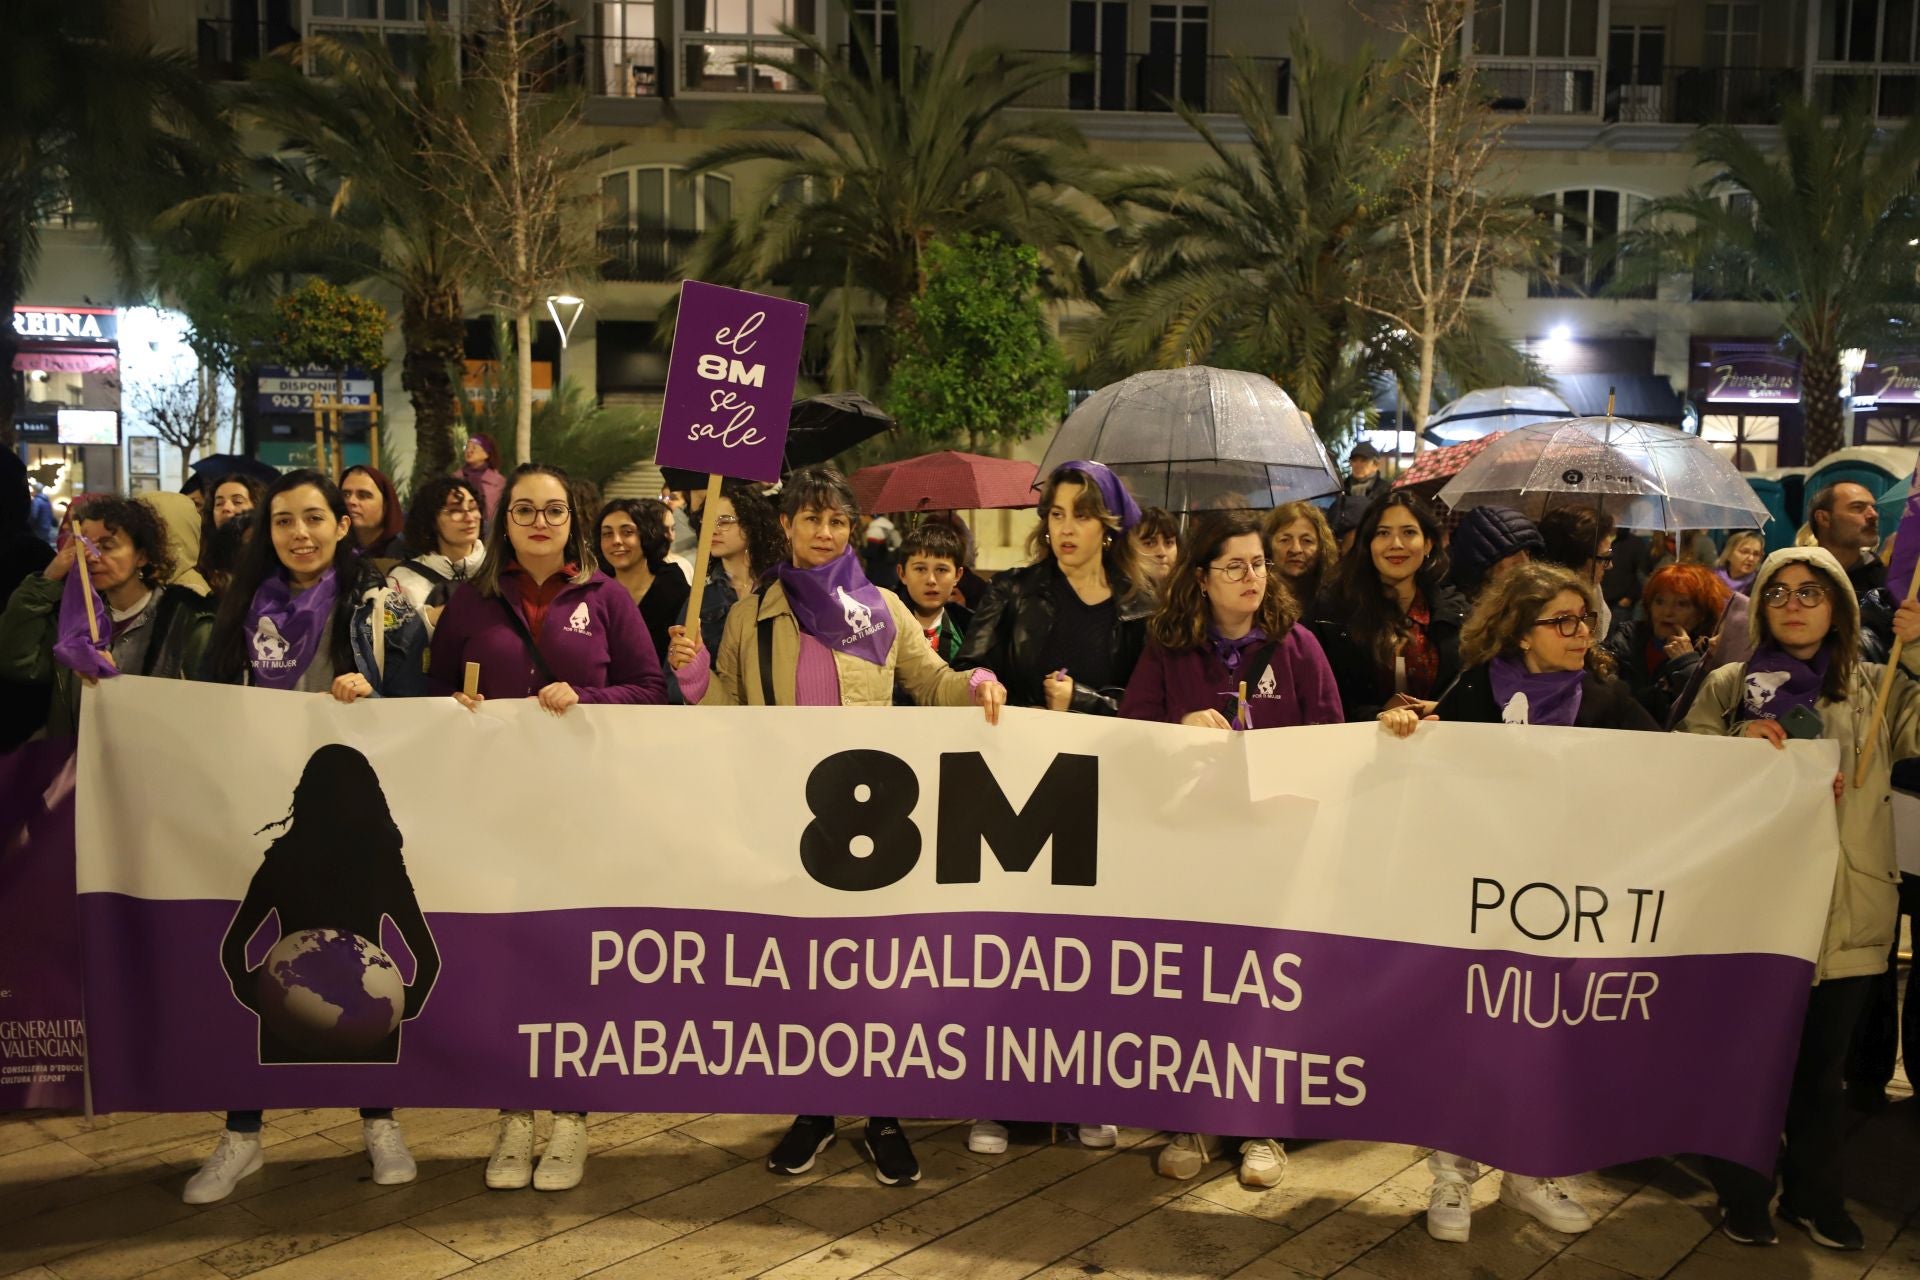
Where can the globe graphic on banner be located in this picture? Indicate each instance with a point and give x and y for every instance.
(330, 991)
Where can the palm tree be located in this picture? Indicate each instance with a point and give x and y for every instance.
(888, 164)
(90, 125)
(347, 193)
(1264, 258)
(1821, 230)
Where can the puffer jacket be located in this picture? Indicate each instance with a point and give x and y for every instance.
(1862, 913)
(1485, 537)
(1009, 633)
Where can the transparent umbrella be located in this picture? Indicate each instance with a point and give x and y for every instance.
(1198, 439)
(1644, 476)
(1492, 410)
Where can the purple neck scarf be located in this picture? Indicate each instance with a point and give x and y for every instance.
(284, 630)
(1776, 682)
(1526, 697)
(837, 606)
(73, 642)
(1233, 652)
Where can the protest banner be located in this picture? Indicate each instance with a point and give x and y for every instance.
(730, 379)
(42, 1040)
(1458, 940)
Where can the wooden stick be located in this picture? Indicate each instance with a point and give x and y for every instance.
(1240, 707)
(472, 689)
(700, 558)
(1886, 690)
(86, 589)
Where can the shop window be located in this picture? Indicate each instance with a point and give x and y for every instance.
(1587, 224)
(1750, 441)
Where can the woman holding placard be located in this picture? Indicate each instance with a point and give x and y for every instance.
(820, 635)
(1805, 679)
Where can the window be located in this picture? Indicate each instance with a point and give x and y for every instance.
(1750, 441)
(879, 22)
(650, 217)
(1175, 68)
(1733, 35)
(752, 28)
(1870, 31)
(1097, 35)
(400, 24)
(1636, 72)
(1537, 28)
(1588, 224)
(624, 53)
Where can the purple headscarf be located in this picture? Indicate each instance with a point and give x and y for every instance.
(1113, 491)
(73, 641)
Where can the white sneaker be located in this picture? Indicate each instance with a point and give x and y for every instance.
(1099, 1135)
(392, 1162)
(1185, 1156)
(236, 1157)
(988, 1137)
(511, 1166)
(1263, 1162)
(1450, 1210)
(1547, 1201)
(565, 1160)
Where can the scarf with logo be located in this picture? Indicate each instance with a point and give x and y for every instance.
(284, 630)
(73, 641)
(1776, 682)
(1528, 697)
(836, 605)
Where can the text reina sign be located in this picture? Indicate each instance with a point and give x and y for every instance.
(730, 382)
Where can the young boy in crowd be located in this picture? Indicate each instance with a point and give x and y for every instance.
(929, 558)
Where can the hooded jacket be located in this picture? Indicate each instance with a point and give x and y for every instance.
(1861, 915)
(1485, 537)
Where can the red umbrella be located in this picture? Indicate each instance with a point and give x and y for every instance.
(947, 481)
(1436, 465)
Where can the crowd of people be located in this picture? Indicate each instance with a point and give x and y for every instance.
(1229, 621)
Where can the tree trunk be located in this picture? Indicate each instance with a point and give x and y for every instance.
(12, 285)
(1423, 395)
(433, 333)
(1820, 402)
(523, 386)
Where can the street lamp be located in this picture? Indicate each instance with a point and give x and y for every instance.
(558, 302)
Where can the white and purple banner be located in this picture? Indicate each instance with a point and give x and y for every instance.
(1496, 941)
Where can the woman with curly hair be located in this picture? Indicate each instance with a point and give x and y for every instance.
(748, 544)
(1301, 550)
(1530, 658)
(634, 542)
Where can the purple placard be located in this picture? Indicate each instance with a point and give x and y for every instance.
(730, 382)
(1906, 542)
(42, 1041)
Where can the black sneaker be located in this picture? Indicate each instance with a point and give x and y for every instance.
(1749, 1224)
(807, 1138)
(1833, 1230)
(892, 1155)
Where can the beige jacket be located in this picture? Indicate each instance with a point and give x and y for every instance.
(1862, 913)
(736, 665)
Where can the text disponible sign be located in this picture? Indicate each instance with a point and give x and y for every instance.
(730, 382)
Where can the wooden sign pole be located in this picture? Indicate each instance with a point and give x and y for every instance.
(86, 589)
(701, 555)
(1886, 689)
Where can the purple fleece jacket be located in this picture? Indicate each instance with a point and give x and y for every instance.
(591, 638)
(1169, 684)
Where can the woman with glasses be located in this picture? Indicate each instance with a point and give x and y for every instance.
(543, 623)
(1531, 658)
(1805, 678)
(443, 526)
(748, 544)
(1388, 623)
(1223, 652)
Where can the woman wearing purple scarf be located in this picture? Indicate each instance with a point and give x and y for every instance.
(1228, 628)
(1529, 656)
(833, 640)
(1806, 672)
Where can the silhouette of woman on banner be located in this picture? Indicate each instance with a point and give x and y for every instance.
(327, 992)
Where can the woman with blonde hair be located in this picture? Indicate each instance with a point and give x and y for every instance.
(1301, 548)
(1529, 656)
(1740, 560)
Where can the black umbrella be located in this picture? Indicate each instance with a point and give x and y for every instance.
(217, 466)
(820, 428)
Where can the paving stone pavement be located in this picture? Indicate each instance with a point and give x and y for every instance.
(685, 1197)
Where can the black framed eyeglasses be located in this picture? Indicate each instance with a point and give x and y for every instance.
(523, 513)
(1569, 624)
(1811, 595)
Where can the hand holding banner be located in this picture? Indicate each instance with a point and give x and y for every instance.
(730, 383)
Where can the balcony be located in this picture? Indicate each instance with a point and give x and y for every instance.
(1155, 82)
(224, 47)
(644, 254)
(1564, 87)
(1702, 95)
(719, 65)
(621, 67)
(1888, 91)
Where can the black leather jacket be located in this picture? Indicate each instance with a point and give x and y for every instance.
(1010, 629)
